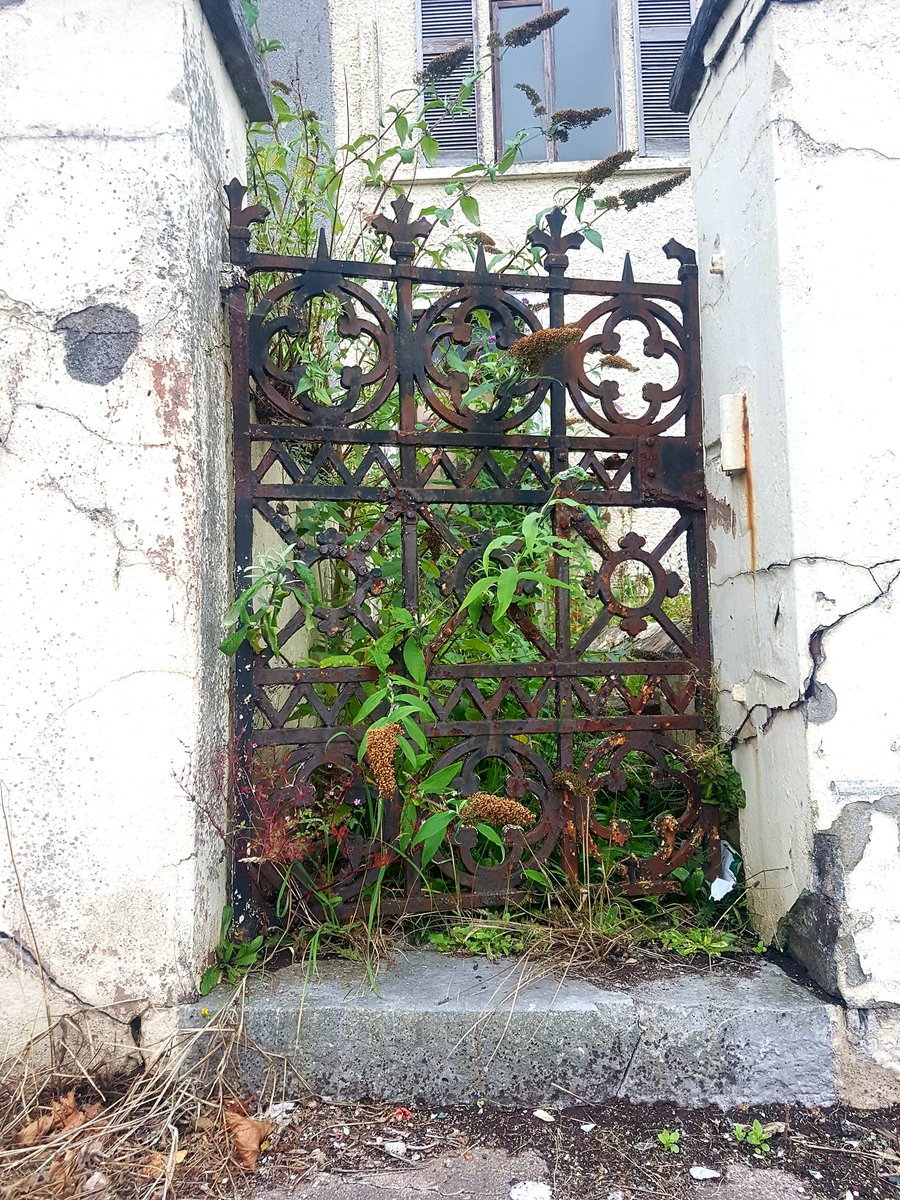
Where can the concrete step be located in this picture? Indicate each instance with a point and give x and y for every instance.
(443, 1030)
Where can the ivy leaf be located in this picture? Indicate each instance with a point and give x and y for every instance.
(431, 834)
(530, 527)
(506, 589)
(469, 206)
(414, 659)
(211, 977)
(436, 783)
(234, 641)
(491, 834)
(475, 592)
(369, 705)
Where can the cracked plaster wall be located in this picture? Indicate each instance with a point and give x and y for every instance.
(120, 126)
(796, 160)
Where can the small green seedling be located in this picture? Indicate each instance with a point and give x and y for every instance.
(754, 1136)
(233, 958)
(670, 1140)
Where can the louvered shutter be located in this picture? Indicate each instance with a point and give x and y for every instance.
(661, 29)
(446, 24)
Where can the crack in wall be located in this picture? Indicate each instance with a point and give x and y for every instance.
(816, 700)
(13, 940)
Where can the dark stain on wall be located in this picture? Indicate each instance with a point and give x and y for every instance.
(99, 342)
(812, 929)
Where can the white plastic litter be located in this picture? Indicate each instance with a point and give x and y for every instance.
(722, 886)
(281, 1108)
(530, 1189)
(704, 1173)
(588, 1127)
(543, 1115)
(396, 1149)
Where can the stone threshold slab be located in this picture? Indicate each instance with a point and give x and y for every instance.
(443, 1030)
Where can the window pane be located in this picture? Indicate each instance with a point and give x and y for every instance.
(521, 64)
(585, 76)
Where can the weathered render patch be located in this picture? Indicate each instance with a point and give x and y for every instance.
(813, 929)
(99, 342)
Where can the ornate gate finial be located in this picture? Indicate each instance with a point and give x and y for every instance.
(402, 232)
(552, 242)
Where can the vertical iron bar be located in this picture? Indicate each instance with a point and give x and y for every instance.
(243, 557)
(408, 469)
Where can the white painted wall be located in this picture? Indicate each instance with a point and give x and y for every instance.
(796, 161)
(120, 127)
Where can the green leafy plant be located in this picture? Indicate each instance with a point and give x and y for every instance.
(754, 1135)
(711, 942)
(493, 941)
(670, 1140)
(719, 782)
(234, 958)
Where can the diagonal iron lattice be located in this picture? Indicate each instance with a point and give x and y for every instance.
(584, 695)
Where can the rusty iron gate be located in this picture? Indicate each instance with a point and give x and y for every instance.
(400, 436)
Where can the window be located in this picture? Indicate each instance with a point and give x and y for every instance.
(572, 65)
(660, 31)
(444, 25)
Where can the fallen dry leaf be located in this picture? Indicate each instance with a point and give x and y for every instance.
(248, 1135)
(35, 1131)
(153, 1165)
(63, 1110)
(97, 1186)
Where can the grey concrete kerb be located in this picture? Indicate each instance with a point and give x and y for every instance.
(443, 1031)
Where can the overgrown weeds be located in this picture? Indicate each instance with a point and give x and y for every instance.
(177, 1120)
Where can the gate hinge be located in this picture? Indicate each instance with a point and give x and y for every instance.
(670, 469)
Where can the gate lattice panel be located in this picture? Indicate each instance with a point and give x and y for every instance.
(562, 716)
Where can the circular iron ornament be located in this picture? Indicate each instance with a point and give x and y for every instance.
(278, 384)
(609, 756)
(450, 319)
(610, 419)
(528, 775)
(359, 859)
(599, 583)
(331, 620)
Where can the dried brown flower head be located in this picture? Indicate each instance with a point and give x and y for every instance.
(381, 746)
(617, 363)
(605, 168)
(433, 541)
(483, 239)
(632, 197)
(564, 120)
(528, 31)
(443, 65)
(533, 350)
(570, 782)
(533, 98)
(495, 810)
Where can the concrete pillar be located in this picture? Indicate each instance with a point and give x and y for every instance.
(121, 123)
(795, 135)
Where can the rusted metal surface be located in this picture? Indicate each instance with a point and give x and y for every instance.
(587, 711)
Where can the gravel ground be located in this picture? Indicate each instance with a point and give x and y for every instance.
(609, 1152)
